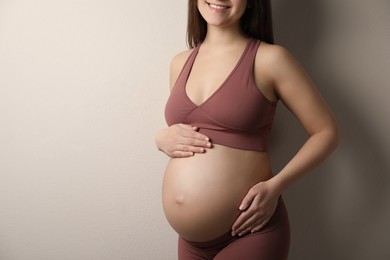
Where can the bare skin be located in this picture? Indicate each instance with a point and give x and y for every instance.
(278, 76)
(202, 193)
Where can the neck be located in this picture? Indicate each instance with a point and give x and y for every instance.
(217, 36)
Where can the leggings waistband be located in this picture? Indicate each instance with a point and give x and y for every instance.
(224, 239)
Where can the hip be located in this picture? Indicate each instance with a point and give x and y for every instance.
(272, 242)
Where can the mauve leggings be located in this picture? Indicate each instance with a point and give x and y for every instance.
(270, 243)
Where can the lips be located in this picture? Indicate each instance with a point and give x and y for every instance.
(218, 7)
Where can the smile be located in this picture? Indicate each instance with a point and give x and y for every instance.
(218, 7)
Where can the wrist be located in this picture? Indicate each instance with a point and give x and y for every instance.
(276, 186)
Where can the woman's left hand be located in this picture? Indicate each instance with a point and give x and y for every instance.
(257, 208)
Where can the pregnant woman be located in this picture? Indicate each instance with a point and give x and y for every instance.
(219, 192)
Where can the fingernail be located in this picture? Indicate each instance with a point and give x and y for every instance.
(207, 139)
(233, 234)
(208, 144)
(242, 207)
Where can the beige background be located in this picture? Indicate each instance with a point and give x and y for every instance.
(82, 89)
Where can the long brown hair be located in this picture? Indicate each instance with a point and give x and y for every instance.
(255, 23)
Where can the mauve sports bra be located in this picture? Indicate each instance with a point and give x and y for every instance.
(235, 115)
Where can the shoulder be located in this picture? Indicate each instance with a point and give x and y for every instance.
(179, 59)
(276, 62)
(177, 64)
(275, 68)
(273, 56)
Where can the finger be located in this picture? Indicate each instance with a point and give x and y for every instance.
(253, 226)
(196, 142)
(188, 127)
(191, 131)
(241, 220)
(195, 135)
(250, 196)
(190, 148)
(180, 154)
(247, 225)
(244, 232)
(259, 226)
(251, 212)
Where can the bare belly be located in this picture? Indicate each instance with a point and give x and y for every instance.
(201, 194)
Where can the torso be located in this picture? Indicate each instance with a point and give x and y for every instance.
(205, 71)
(209, 71)
(201, 194)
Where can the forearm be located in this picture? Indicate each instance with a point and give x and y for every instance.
(315, 150)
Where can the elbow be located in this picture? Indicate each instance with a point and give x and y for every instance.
(329, 137)
(336, 139)
(334, 136)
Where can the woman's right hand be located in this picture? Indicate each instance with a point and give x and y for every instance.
(181, 140)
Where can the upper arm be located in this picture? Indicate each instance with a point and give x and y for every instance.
(176, 66)
(297, 91)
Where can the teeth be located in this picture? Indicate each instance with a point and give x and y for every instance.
(218, 7)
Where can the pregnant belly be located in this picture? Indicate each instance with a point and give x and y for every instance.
(201, 194)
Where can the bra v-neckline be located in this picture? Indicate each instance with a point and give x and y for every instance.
(223, 83)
